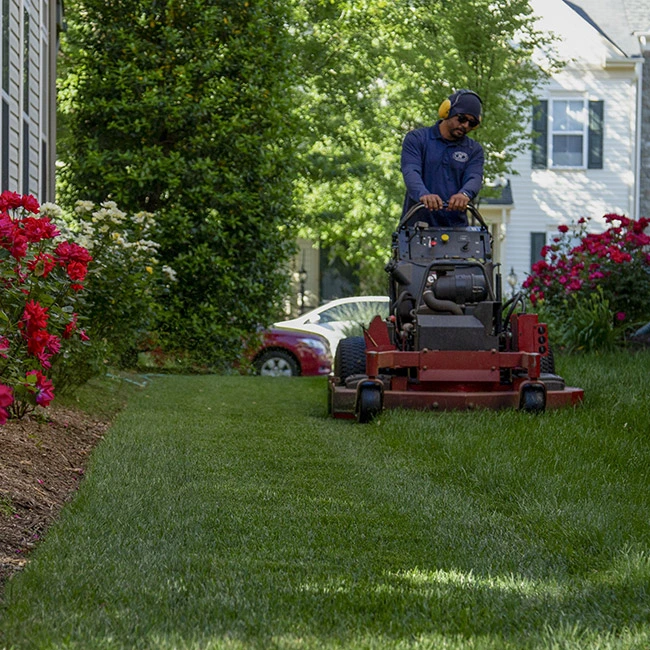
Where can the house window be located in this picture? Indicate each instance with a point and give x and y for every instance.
(537, 242)
(568, 134)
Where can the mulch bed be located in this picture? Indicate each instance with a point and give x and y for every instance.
(42, 461)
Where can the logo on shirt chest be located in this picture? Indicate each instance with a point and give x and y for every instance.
(460, 156)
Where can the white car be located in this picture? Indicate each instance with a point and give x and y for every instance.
(337, 319)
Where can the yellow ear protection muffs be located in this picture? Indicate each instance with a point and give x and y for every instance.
(446, 106)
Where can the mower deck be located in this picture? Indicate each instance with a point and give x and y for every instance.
(449, 379)
(343, 400)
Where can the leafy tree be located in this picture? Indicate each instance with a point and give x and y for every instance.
(374, 70)
(179, 107)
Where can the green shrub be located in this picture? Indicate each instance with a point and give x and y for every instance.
(593, 288)
(180, 109)
(125, 283)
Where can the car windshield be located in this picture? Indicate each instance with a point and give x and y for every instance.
(358, 312)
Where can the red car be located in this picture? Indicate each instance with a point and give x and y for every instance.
(289, 353)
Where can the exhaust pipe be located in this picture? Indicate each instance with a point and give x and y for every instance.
(441, 305)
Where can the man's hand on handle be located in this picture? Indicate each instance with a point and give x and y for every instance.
(432, 201)
(456, 202)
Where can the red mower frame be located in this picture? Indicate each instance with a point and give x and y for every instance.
(509, 367)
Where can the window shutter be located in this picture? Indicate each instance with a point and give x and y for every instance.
(537, 242)
(595, 155)
(540, 140)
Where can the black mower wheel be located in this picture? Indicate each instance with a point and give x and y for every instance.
(277, 363)
(368, 404)
(350, 358)
(533, 399)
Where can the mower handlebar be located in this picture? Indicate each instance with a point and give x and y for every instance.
(471, 208)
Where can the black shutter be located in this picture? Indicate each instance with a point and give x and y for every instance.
(537, 242)
(595, 145)
(540, 135)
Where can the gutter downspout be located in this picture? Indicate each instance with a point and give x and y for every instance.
(638, 66)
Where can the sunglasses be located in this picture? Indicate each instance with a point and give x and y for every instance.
(462, 118)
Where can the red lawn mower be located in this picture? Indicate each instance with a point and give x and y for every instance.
(450, 342)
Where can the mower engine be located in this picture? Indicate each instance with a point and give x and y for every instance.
(449, 342)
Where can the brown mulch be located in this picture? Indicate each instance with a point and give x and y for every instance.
(42, 461)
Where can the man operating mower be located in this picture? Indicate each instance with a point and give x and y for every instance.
(441, 166)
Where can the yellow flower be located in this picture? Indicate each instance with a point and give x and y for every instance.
(148, 269)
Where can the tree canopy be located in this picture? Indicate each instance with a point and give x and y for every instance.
(238, 121)
(374, 70)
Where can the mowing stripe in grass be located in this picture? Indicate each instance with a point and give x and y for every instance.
(230, 512)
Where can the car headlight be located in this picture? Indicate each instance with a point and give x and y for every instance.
(319, 346)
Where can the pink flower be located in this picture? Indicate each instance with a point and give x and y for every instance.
(6, 399)
(4, 346)
(52, 346)
(621, 316)
(43, 388)
(563, 228)
(6, 395)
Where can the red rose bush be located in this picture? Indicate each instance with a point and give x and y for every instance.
(593, 287)
(41, 278)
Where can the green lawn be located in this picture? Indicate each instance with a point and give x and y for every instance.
(230, 512)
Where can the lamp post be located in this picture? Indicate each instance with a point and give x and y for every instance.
(302, 277)
(512, 281)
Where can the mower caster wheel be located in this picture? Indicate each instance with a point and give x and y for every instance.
(369, 403)
(533, 398)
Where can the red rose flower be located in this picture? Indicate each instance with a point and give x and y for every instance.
(30, 204)
(67, 252)
(34, 317)
(37, 229)
(69, 329)
(42, 265)
(76, 271)
(10, 200)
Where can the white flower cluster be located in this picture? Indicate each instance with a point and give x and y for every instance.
(169, 272)
(51, 210)
(95, 226)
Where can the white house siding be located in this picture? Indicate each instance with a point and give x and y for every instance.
(29, 111)
(546, 198)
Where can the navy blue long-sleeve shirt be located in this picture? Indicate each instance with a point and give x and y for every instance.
(433, 165)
